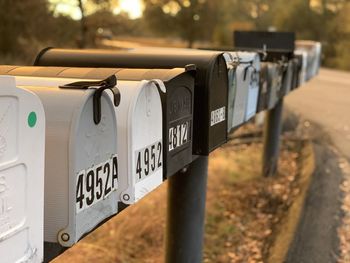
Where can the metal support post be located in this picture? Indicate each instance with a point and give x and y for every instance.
(186, 213)
(272, 132)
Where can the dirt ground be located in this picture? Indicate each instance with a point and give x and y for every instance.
(244, 210)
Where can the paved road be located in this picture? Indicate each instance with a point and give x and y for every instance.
(326, 101)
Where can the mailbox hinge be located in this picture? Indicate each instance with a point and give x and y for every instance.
(108, 83)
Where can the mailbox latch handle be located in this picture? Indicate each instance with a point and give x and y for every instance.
(108, 83)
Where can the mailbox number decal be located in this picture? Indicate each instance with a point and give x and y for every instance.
(178, 135)
(148, 160)
(96, 183)
(217, 116)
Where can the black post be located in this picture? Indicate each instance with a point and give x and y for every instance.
(52, 250)
(186, 213)
(272, 132)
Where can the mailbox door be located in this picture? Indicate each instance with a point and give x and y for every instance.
(231, 95)
(253, 92)
(140, 113)
(288, 78)
(275, 81)
(22, 141)
(303, 71)
(94, 165)
(265, 88)
(297, 65)
(178, 128)
(77, 152)
(241, 97)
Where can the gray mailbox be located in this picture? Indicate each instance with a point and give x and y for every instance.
(22, 143)
(211, 84)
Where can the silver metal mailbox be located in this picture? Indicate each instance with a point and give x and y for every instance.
(22, 143)
(244, 85)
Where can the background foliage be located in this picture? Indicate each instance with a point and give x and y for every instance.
(27, 26)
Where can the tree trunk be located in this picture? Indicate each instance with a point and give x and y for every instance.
(83, 27)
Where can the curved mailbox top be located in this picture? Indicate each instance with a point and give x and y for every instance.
(22, 145)
(211, 88)
(177, 102)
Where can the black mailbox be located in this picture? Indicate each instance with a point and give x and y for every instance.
(177, 102)
(211, 82)
(265, 88)
(275, 45)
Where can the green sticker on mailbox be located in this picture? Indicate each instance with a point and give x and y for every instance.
(32, 119)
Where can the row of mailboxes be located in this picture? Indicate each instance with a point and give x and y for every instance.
(117, 157)
(22, 133)
(177, 102)
(105, 147)
(210, 101)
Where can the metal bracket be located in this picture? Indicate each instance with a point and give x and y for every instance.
(108, 83)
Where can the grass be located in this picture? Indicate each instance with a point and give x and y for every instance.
(243, 212)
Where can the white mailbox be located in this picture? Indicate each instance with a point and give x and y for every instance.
(275, 74)
(22, 142)
(244, 85)
(138, 168)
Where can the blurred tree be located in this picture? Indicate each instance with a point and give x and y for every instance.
(190, 19)
(99, 5)
(17, 22)
(86, 8)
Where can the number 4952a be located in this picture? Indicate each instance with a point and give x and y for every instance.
(96, 183)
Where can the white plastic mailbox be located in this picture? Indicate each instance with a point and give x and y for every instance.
(22, 142)
(245, 85)
(138, 135)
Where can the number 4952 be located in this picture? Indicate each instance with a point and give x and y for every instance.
(148, 160)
